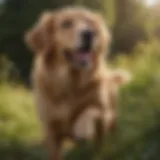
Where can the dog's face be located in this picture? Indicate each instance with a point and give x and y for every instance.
(77, 36)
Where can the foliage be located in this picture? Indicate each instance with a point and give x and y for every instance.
(130, 25)
(139, 106)
(8, 71)
(17, 118)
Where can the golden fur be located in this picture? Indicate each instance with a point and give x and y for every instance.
(70, 100)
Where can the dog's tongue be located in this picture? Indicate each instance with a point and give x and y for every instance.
(83, 57)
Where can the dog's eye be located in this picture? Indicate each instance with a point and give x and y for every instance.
(67, 24)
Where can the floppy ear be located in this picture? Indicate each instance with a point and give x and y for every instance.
(39, 38)
(121, 77)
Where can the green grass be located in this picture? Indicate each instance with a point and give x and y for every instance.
(17, 115)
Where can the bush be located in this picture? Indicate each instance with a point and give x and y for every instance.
(17, 115)
(8, 71)
(139, 107)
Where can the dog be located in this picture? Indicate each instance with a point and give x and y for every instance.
(74, 89)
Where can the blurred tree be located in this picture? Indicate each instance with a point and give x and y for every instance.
(129, 27)
(156, 16)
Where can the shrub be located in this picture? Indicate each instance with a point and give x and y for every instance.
(8, 71)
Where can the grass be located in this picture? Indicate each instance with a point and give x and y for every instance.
(17, 115)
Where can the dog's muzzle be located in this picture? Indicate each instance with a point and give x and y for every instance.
(86, 38)
(82, 56)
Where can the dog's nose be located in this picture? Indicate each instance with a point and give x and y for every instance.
(87, 39)
(87, 35)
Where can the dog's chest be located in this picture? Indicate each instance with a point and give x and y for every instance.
(67, 85)
(61, 82)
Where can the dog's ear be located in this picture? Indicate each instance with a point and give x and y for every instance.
(121, 77)
(39, 38)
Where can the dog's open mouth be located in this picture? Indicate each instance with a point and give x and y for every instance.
(81, 58)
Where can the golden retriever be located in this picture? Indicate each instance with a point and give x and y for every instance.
(73, 89)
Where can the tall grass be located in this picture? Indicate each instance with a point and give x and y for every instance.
(17, 115)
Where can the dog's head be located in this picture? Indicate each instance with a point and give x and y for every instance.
(75, 36)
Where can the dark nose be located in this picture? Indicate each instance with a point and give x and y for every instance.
(87, 35)
(87, 39)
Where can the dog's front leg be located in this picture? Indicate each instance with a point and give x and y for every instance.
(81, 104)
(111, 112)
(54, 143)
(107, 121)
